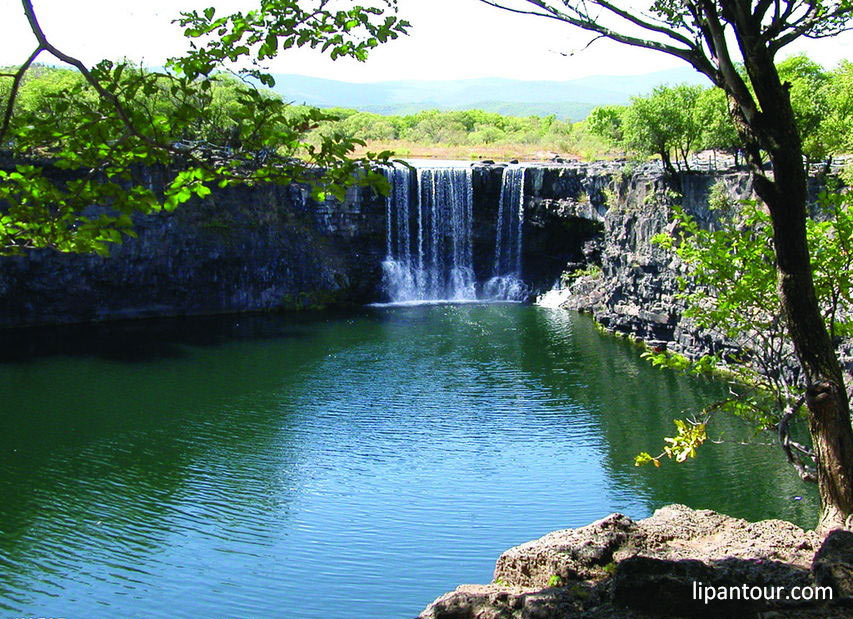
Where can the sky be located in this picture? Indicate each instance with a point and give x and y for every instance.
(449, 39)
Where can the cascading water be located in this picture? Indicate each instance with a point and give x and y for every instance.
(506, 283)
(429, 247)
(429, 237)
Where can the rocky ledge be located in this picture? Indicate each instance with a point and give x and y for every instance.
(621, 568)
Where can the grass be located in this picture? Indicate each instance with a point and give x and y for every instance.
(498, 152)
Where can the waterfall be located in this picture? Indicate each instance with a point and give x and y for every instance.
(437, 262)
(429, 249)
(506, 283)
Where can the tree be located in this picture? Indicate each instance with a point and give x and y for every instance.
(836, 129)
(664, 122)
(95, 140)
(729, 290)
(718, 132)
(605, 121)
(712, 37)
(808, 90)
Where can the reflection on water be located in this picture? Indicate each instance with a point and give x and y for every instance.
(330, 465)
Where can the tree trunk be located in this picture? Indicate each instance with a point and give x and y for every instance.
(667, 162)
(829, 419)
(785, 196)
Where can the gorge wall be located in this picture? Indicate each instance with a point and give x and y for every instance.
(633, 286)
(240, 249)
(272, 248)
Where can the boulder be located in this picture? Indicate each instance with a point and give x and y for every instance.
(573, 554)
(662, 566)
(833, 565)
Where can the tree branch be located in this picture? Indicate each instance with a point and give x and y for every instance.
(47, 46)
(761, 9)
(803, 30)
(733, 83)
(773, 34)
(581, 19)
(672, 34)
(18, 76)
(788, 446)
(518, 11)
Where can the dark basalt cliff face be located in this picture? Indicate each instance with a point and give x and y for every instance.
(241, 249)
(256, 249)
(635, 291)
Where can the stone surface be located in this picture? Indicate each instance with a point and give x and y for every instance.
(241, 249)
(833, 564)
(260, 249)
(617, 567)
(573, 554)
(492, 602)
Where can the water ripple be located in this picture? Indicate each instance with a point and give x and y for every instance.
(337, 468)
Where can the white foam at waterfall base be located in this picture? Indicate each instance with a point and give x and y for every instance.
(505, 288)
(554, 298)
(399, 280)
(463, 284)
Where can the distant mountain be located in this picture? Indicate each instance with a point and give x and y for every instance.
(573, 110)
(567, 99)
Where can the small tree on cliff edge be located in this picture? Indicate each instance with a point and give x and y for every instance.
(108, 129)
(713, 36)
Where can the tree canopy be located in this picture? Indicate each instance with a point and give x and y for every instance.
(91, 138)
(729, 289)
(675, 119)
(735, 44)
(664, 122)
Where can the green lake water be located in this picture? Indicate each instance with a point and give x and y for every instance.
(332, 465)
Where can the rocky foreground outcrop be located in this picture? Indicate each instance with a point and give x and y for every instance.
(618, 567)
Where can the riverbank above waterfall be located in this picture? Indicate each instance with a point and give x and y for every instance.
(679, 562)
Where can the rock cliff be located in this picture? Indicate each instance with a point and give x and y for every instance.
(268, 248)
(240, 249)
(632, 286)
